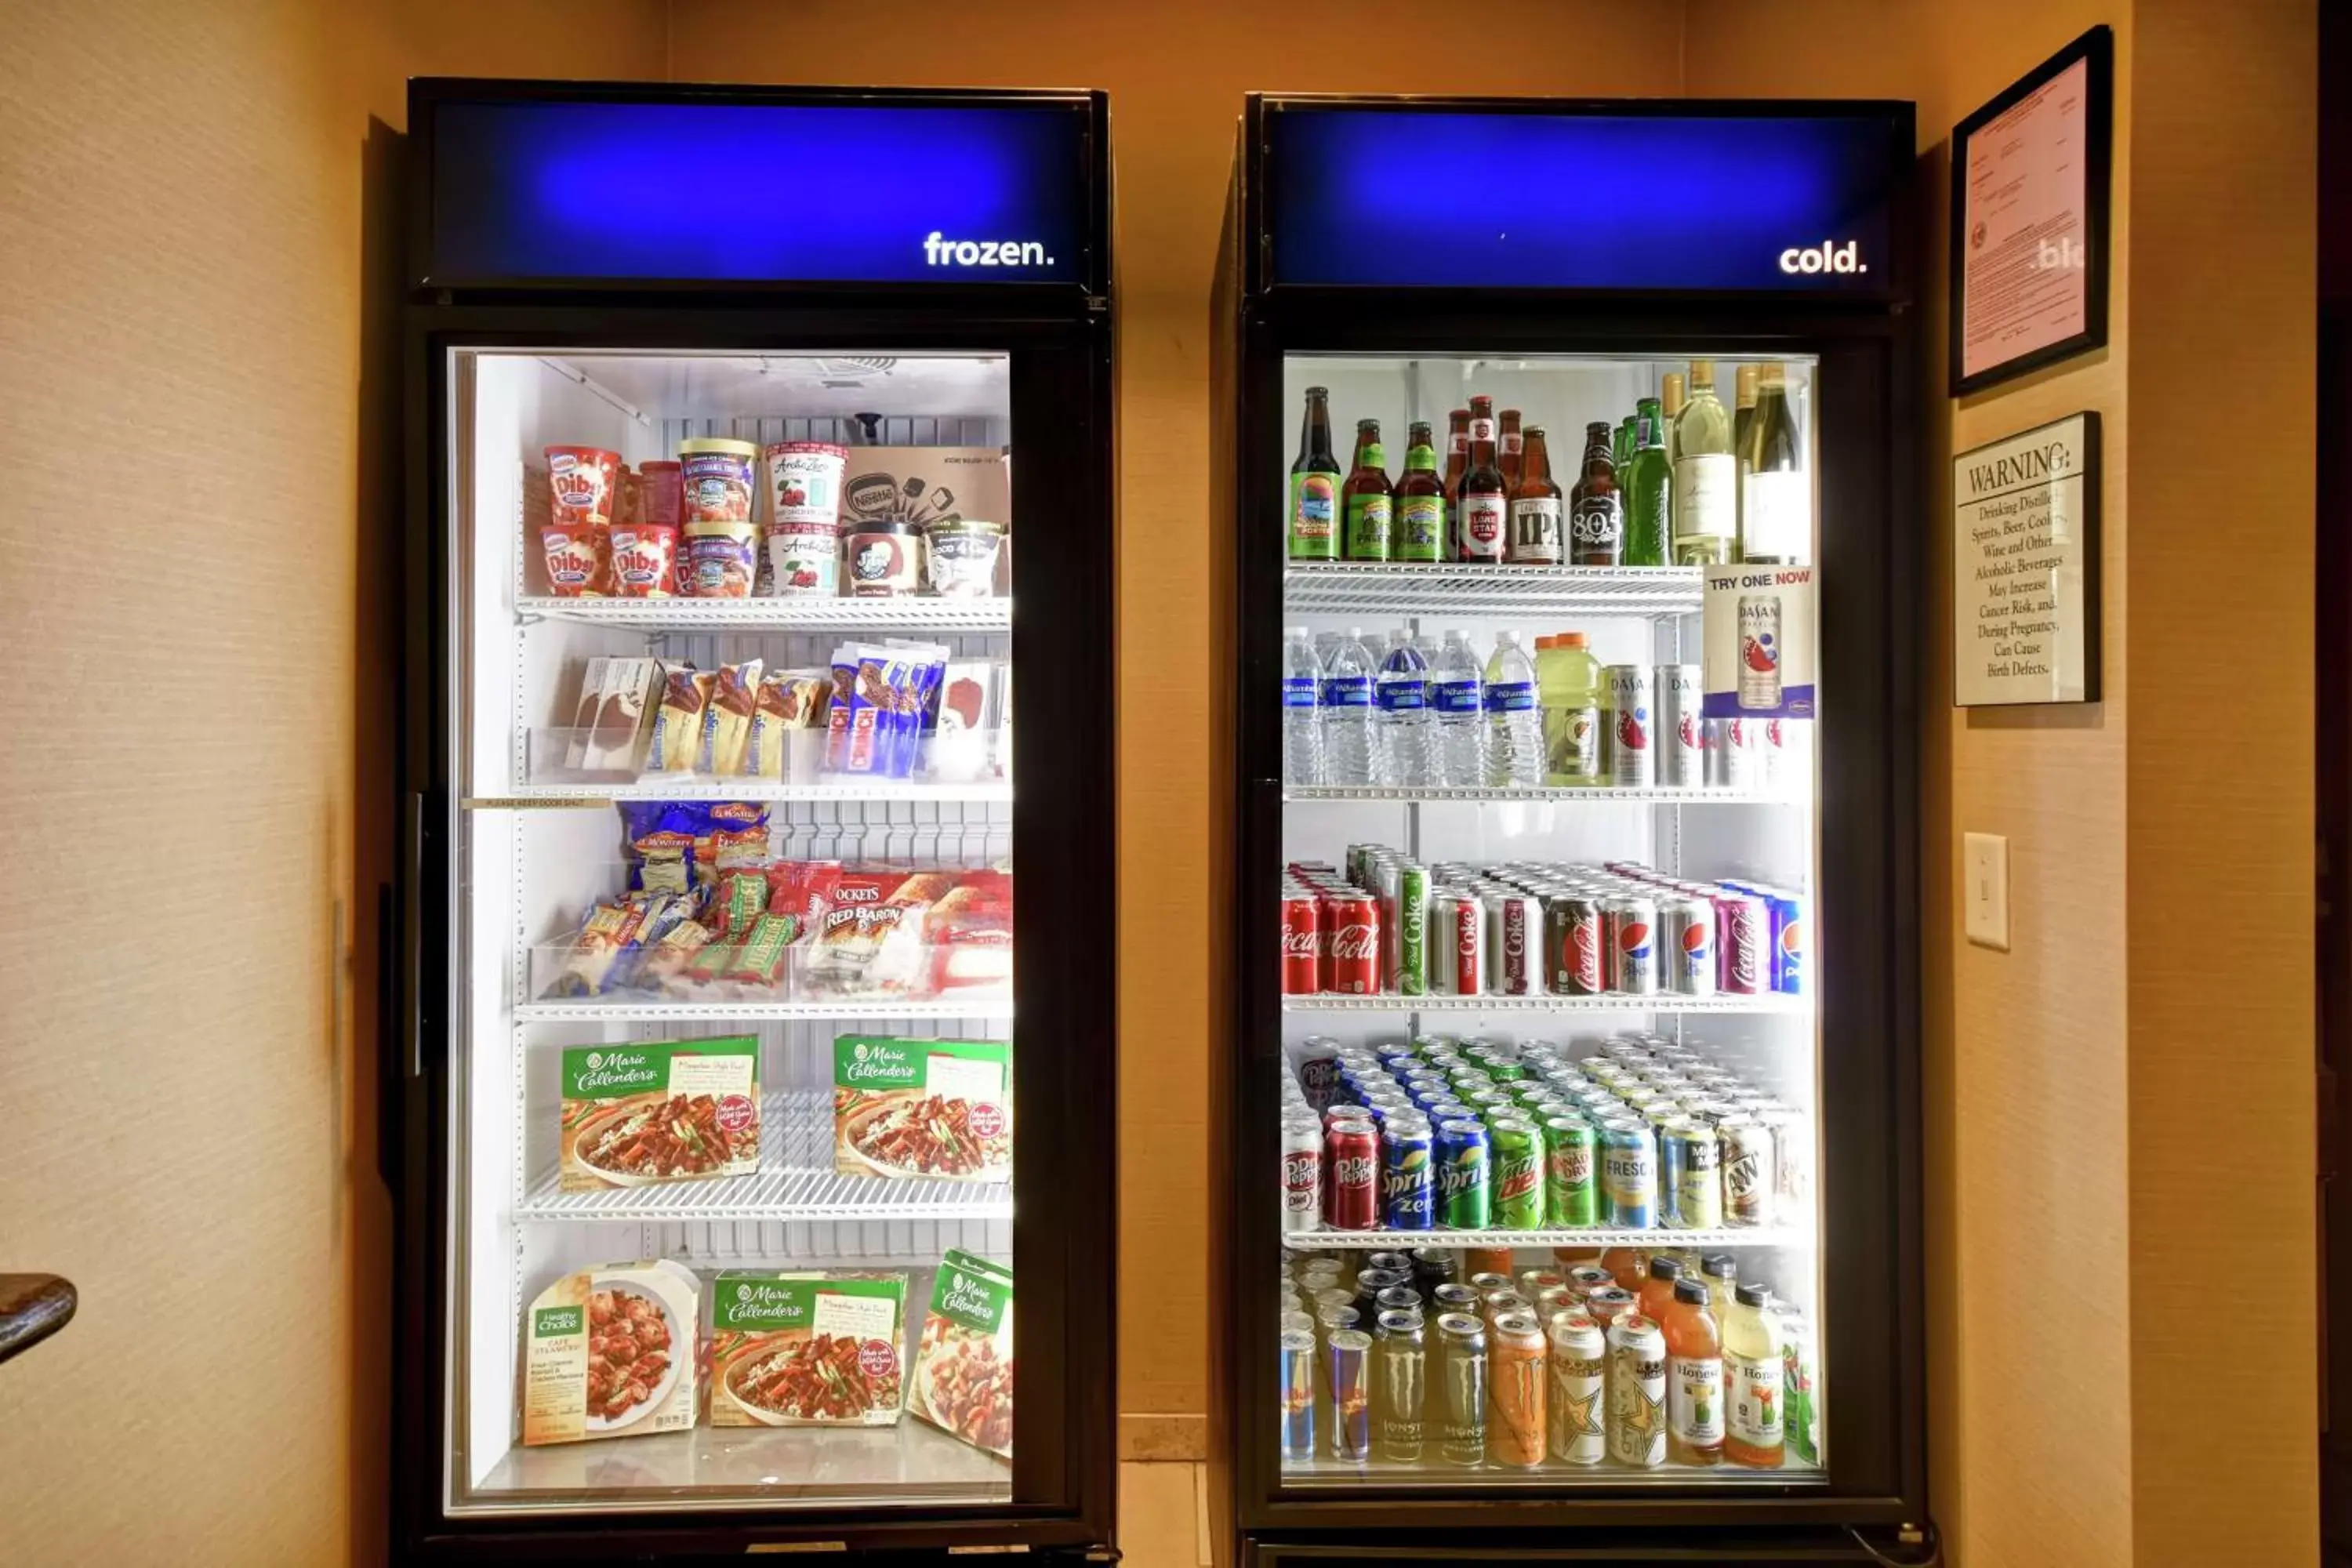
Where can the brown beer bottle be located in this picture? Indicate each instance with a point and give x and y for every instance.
(1367, 499)
(1483, 512)
(1535, 507)
(1457, 463)
(1595, 518)
(1420, 502)
(1513, 447)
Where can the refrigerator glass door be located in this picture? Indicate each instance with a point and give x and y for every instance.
(1548, 1012)
(732, 1128)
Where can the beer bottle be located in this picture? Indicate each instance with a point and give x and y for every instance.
(1670, 405)
(1647, 486)
(1482, 514)
(1457, 463)
(1535, 507)
(1620, 446)
(1368, 499)
(1707, 477)
(1315, 485)
(1420, 534)
(1776, 514)
(1513, 447)
(1595, 525)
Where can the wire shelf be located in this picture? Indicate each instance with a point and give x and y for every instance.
(636, 1010)
(1586, 1236)
(796, 1182)
(776, 614)
(1464, 588)
(1661, 1001)
(1644, 795)
(689, 786)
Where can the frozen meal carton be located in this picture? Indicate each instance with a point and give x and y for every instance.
(795, 1350)
(939, 1109)
(609, 1352)
(674, 1111)
(963, 1358)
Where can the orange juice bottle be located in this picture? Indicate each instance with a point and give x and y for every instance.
(1656, 1292)
(1694, 1379)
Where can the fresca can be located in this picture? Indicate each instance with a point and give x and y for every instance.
(1572, 943)
(1408, 1174)
(1457, 943)
(1681, 743)
(1633, 933)
(1631, 727)
(1413, 930)
(1743, 942)
(1514, 942)
(1463, 1175)
(1352, 1172)
(1686, 946)
(1518, 1162)
(1629, 1175)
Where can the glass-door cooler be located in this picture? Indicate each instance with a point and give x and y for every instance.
(742, 1105)
(1573, 1086)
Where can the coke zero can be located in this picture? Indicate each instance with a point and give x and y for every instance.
(1632, 931)
(1302, 1171)
(1682, 752)
(1687, 945)
(1743, 939)
(1351, 944)
(1351, 1175)
(1515, 923)
(1302, 944)
(1572, 939)
(1632, 715)
(1457, 944)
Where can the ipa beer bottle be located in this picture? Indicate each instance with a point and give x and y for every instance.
(1775, 522)
(1483, 511)
(1420, 531)
(1647, 487)
(1315, 485)
(1368, 499)
(1595, 524)
(1706, 479)
(1535, 507)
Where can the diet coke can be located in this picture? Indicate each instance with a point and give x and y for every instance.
(1302, 943)
(1632, 931)
(1351, 1175)
(1681, 748)
(1687, 945)
(1633, 713)
(1515, 924)
(1572, 945)
(1351, 944)
(1457, 944)
(1302, 1171)
(1743, 938)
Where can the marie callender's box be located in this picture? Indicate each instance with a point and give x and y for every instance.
(964, 1359)
(794, 1350)
(936, 1109)
(680, 1110)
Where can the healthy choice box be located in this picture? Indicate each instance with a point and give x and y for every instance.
(609, 1352)
(794, 1350)
(963, 1360)
(936, 1109)
(666, 1111)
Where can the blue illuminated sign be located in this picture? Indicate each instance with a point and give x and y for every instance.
(532, 189)
(1697, 199)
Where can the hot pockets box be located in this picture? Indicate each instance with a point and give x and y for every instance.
(609, 1352)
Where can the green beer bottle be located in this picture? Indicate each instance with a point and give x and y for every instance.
(1621, 446)
(1647, 483)
(1420, 534)
(1315, 485)
(1368, 499)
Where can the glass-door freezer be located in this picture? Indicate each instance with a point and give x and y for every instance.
(745, 1105)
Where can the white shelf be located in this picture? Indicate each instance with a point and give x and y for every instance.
(1444, 588)
(1645, 795)
(776, 614)
(1587, 1235)
(796, 1182)
(693, 787)
(1662, 1002)
(626, 1009)
(908, 1464)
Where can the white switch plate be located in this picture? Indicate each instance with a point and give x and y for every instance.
(1984, 864)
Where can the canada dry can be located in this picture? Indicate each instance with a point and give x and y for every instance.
(1413, 930)
(1637, 1392)
(1578, 1403)
(1632, 939)
(1573, 938)
(1462, 1376)
(1569, 1198)
(1457, 945)
(1515, 923)
(1750, 1180)
(1296, 1370)
(1681, 741)
(1517, 1162)
(1633, 728)
(1349, 1377)
(1629, 1175)
(1465, 1175)
(1690, 1174)
(1407, 1177)
(1516, 1430)
(1400, 1387)
(1351, 1175)
(1686, 946)
(1302, 1171)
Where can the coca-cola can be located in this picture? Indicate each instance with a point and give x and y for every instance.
(1681, 741)
(1632, 931)
(1514, 925)
(1457, 944)
(1411, 929)
(1687, 945)
(1382, 879)
(1730, 759)
(1351, 944)
(1572, 945)
(1302, 943)
(1633, 726)
(1302, 1171)
(1351, 1175)
(1743, 942)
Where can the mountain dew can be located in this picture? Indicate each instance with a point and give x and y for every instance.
(1519, 1179)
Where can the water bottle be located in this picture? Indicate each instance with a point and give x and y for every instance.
(1515, 748)
(1302, 726)
(1401, 714)
(1461, 735)
(1346, 712)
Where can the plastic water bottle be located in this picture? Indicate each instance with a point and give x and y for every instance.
(1401, 714)
(1514, 749)
(1346, 712)
(1461, 733)
(1302, 726)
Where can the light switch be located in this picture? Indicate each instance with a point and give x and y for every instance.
(1984, 863)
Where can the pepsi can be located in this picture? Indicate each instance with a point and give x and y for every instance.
(1515, 924)
(1786, 923)
(1633, 933)
(1631, 726)
(1408, 1174)
(1573, 942)
(1743, 942)
(1686, 946)
(1681, 743)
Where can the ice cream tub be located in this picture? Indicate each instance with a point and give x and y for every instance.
(584, 480)
(717, 478)
(661, 496)
(719, 560)
(804, 478)
(645, 560)
(804, 560)
(963, 553)
(579, 559)
(883, 559)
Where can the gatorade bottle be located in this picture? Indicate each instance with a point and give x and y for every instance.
(1568, 684)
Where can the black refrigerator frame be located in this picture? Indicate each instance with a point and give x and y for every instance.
(1059, 338)
(1866, 831)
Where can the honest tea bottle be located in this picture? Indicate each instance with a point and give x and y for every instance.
(1693, 1378)
(1752, 1352)
(1567, 685)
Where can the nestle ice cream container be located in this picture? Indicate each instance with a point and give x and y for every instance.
(963, 552)
(579, 559)
(583, 480)
(645, 560)
(717, 474)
